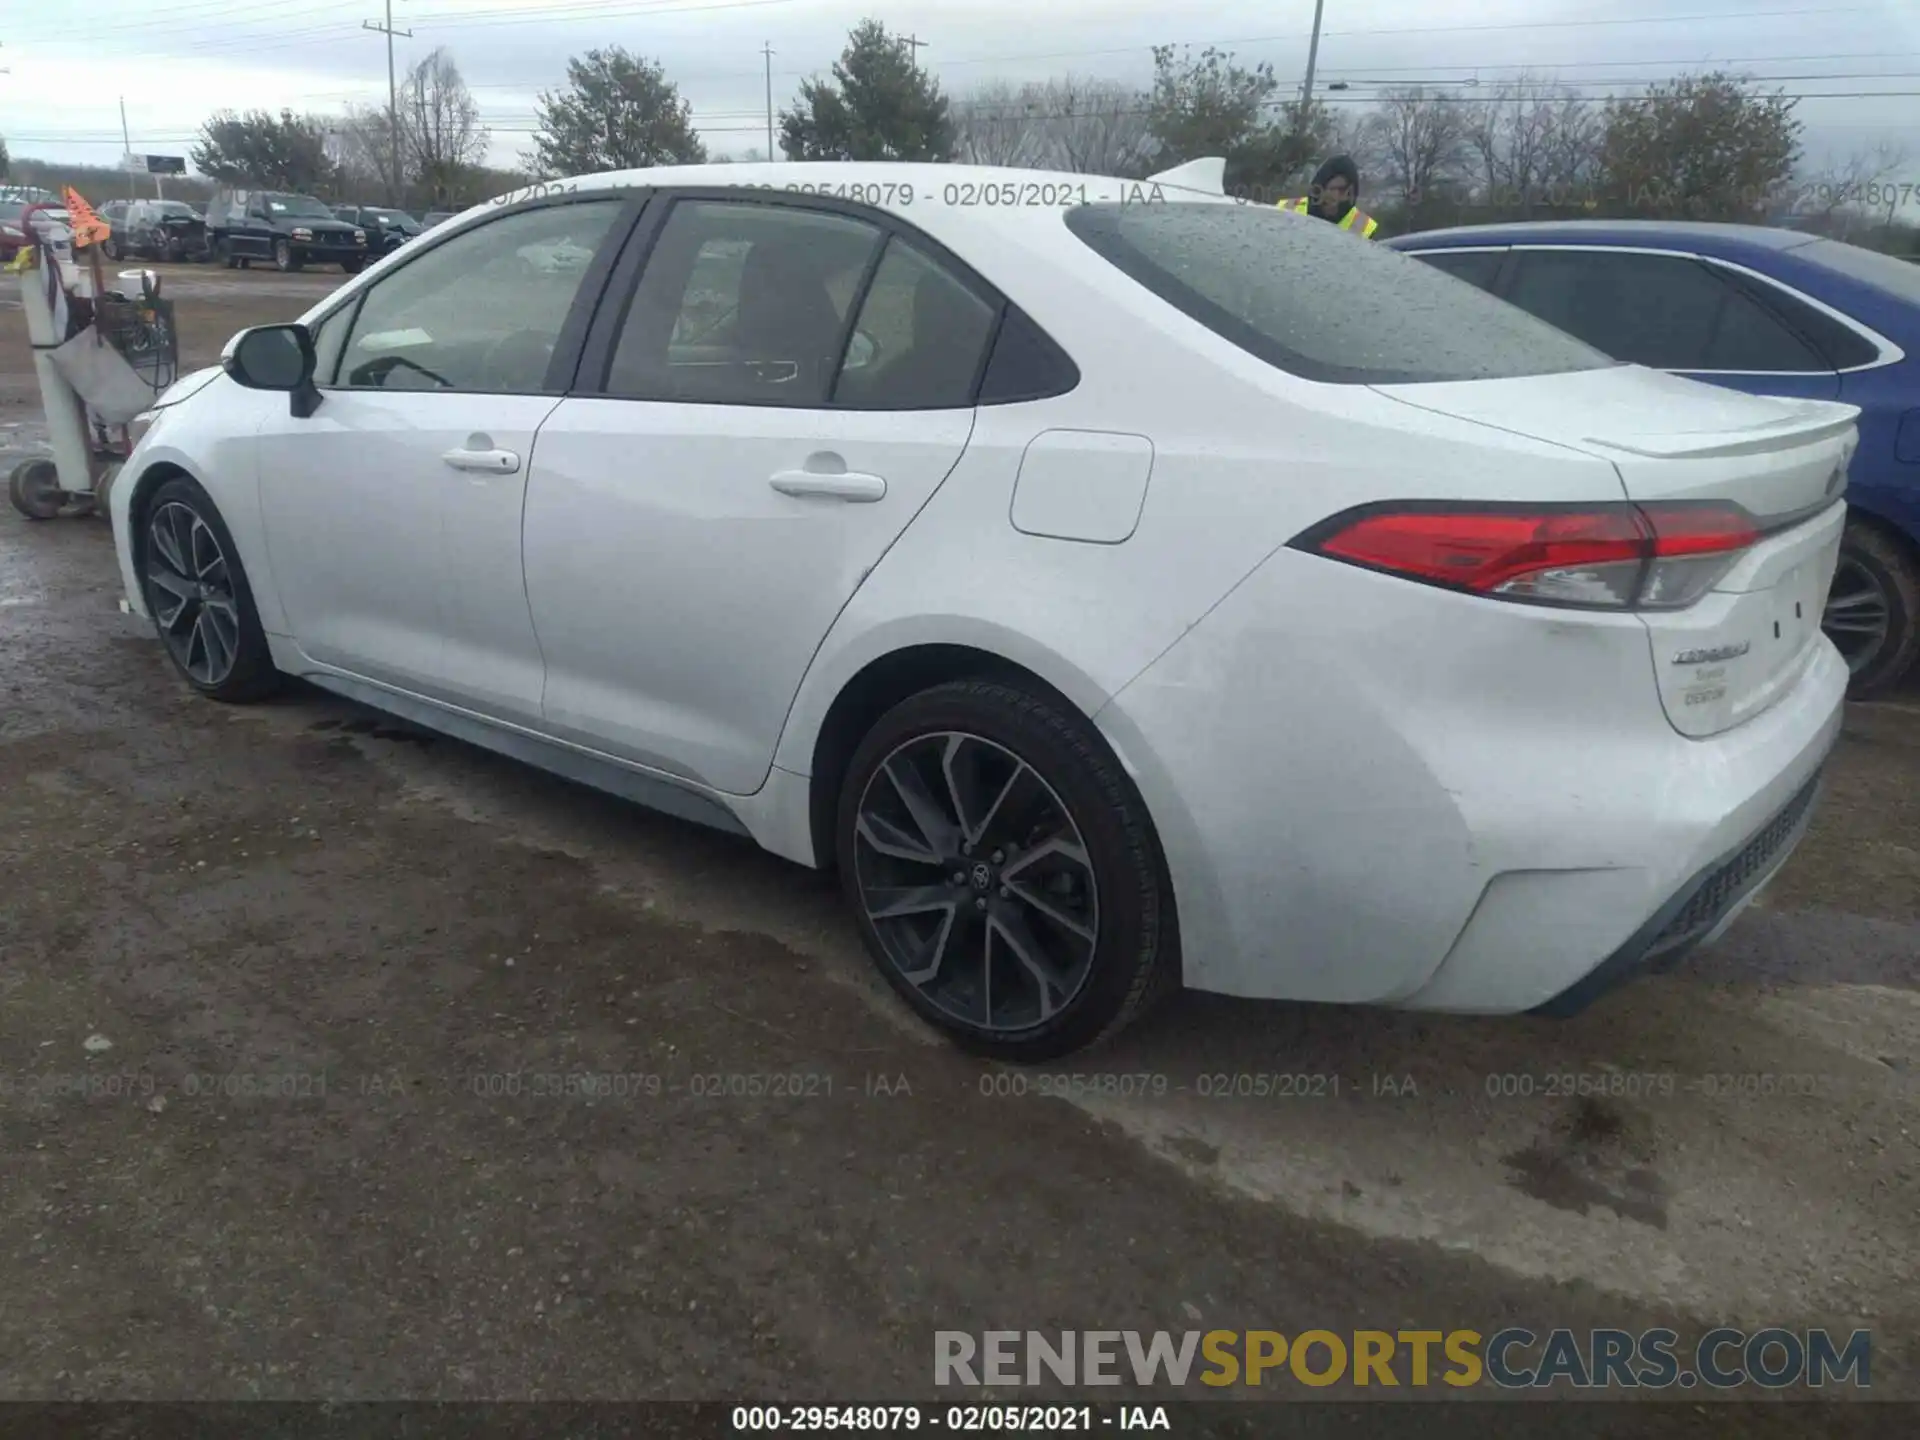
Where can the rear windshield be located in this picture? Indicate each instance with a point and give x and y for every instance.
(1885, 272)
(1322, 303)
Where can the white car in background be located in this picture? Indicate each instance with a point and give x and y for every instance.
(1120, 585)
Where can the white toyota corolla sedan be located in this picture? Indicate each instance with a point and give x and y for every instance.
(1119, 585)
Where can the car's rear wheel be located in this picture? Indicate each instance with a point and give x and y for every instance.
(197, 592)
(1007, 880)
(1873, 609)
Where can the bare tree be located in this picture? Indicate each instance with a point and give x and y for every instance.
(1100, 126)
(1091, 126)
(1533, 143)
(1575, 133)
(440, 126)
(1421, 136)
(1853, 192)
(1002, 124)
(362, 146)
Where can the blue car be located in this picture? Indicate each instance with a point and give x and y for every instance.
(1772, 312)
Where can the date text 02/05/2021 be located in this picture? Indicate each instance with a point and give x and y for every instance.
(1002, 195)
(957, 1419)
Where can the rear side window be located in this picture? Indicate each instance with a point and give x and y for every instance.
(743, 304)
(1840, 346)
(1476, 267)
(1026, 364)
(1654, 310)
(1750, 337)
(1318, 302)
(919, 340)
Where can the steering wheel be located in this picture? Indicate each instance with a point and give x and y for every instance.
(375, 372)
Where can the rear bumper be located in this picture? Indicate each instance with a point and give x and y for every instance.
(1701, 908)
(1436, 802)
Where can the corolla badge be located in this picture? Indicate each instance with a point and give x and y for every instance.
(1713, 656)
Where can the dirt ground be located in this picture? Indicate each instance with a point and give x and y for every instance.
(326, 965)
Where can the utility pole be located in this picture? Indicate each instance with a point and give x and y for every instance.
(1313, 55)
(127, 140)
(767, 50)
(393, 98)
(914, 46)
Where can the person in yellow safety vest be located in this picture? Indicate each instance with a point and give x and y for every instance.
(1331, 197)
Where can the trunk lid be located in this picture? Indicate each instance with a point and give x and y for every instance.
(1735, 652)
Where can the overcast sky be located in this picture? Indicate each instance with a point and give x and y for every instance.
(173, 61)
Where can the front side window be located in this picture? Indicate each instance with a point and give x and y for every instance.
(1317, 302)
(743, 304)
(483, 312)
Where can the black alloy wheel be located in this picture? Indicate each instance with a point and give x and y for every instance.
(1007, 880)
(197, 593)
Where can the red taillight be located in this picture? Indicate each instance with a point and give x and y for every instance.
(1617, 556)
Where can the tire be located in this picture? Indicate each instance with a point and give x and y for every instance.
(34, 489)
(249, 675)
(223, 251)
(1878, 573)
(110, 248)
(353, 267)
(1129, 957)
(283, 257)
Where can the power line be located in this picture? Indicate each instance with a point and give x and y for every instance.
(107, 136)
(615, 9)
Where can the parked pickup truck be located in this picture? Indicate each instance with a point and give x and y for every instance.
(291, 231)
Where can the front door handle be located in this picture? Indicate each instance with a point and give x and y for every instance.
(487, 462)
(849, 485)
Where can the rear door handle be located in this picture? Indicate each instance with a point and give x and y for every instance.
(849, 485)
(487, 462)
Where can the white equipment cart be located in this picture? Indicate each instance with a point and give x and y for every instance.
(102, 351)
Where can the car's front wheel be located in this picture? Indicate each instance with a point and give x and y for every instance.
(1006, 878)
(197, 592)
(283, 257)
(1873, 609)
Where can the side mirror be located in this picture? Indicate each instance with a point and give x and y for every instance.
(275, 357)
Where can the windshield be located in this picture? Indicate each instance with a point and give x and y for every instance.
(395, 218)
(1320, 303)
(164, 208)
(300, 207)
(1884, 272)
